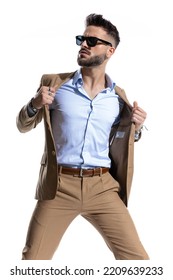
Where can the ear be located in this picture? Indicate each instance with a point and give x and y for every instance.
(110, 52)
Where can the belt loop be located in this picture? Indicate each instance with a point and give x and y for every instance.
(81, 172)
(60, 170)
(100, 172)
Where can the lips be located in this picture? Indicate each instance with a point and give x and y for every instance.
(84, 52)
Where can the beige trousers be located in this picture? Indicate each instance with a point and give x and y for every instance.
(96, 199)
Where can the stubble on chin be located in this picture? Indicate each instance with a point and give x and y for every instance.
(90, 62)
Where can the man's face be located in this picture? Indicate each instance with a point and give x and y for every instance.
(97, 55)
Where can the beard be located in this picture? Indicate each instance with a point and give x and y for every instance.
(91, 62)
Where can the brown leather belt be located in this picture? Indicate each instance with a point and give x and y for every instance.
(79, 172)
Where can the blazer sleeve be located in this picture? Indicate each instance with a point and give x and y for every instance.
(24, 122)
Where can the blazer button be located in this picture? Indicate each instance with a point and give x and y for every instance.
(53, 153)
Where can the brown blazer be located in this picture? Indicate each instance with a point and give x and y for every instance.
(121, 144)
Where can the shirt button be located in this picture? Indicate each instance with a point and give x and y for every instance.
(53, 153)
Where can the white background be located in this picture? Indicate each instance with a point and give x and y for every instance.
(37, 37)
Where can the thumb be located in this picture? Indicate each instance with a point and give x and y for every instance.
(135, 105)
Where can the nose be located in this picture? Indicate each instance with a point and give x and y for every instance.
(84, 44)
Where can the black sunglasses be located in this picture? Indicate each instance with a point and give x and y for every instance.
(91, 41)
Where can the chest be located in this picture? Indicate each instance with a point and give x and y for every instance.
(73, 107)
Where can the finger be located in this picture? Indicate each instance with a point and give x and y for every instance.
(135, 104)
(138, 109)
(53, 91)
(49, 89)
(139, 118)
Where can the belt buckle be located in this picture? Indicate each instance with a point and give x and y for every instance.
(80, 174)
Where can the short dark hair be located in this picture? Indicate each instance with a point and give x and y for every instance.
(98, 20)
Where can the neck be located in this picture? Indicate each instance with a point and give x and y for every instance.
(94, 80)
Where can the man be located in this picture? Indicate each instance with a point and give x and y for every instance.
(87, 164)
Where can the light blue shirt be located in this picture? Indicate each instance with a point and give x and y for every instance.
(81, 126)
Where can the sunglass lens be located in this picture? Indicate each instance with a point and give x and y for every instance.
(79, 40)
(91, 41)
